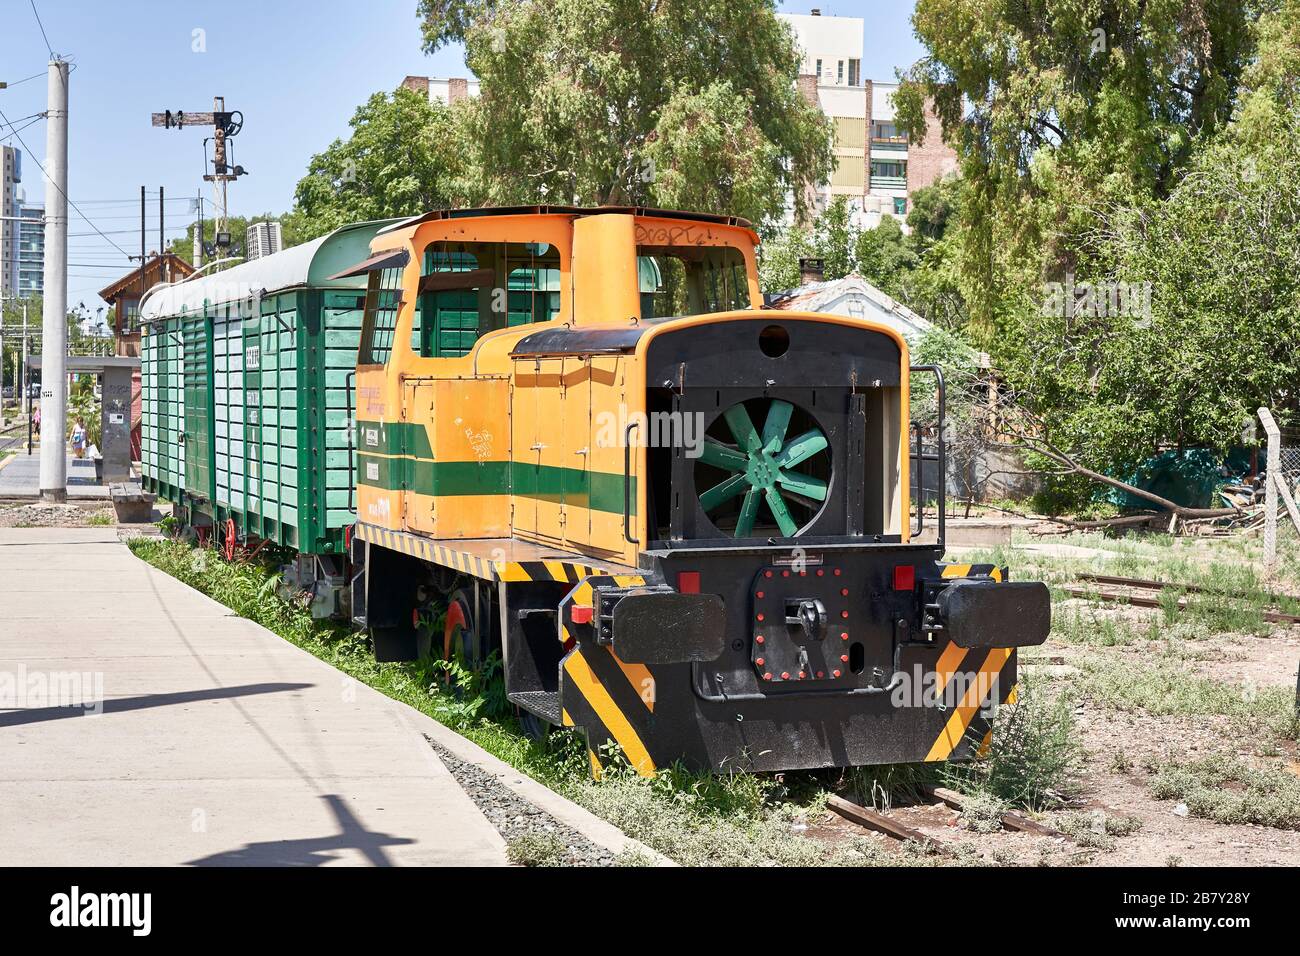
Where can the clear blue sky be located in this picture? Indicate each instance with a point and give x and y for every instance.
(297, 70)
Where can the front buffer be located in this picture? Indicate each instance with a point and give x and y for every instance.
(849, 657)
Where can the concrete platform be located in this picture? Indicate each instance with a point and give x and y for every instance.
(207, 740)
(20, 477)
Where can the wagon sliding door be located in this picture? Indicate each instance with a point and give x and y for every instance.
(196, 374)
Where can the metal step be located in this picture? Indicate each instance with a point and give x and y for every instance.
(544, 703)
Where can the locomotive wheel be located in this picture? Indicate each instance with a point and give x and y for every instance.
(462, 639)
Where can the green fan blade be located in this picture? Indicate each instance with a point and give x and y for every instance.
(800, 449)
(722, 492)
(778, 420)
(738, 420)
(748, 511)
(801, 484)
(780, 512)
(713, 452)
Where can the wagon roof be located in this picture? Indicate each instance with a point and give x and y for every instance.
(302, 266)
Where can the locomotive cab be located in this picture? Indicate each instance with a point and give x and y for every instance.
(682, 519)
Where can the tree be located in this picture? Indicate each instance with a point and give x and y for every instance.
(835, 239)
(674, 103)
(778, 258)
(884, 256)
(292, 233)
(1060, 110)
(398, 161)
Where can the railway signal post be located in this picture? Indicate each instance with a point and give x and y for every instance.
(225, 124)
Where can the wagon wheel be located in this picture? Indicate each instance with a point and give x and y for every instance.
(760, 469)
(230, 539)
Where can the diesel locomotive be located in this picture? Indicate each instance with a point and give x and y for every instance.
(680, 518)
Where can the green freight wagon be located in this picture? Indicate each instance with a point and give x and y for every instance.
(247, 379)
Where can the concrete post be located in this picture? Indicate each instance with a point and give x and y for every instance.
(1272, 470)
(54, 332)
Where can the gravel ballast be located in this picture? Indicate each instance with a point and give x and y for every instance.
(520, 822)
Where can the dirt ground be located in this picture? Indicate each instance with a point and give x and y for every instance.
(1125, 744)
(40, 514)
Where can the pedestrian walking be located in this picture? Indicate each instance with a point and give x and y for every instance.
(79, 439)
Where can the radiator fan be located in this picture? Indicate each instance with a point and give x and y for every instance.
(758, 472)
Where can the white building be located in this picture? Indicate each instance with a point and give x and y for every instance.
(881, 181)
(855, 297)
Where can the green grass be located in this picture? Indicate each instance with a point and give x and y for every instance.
(1162, 688)
(100, 518)
(1226, 790)
(696, 819)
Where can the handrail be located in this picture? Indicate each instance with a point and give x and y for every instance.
(942, 454)
(627, 483)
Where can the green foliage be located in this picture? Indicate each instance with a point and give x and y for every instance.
(293, 230)
(884, 256)
(398, 161)
(1035, 755)
(778, 258)
(1057, 111)
(616, 101)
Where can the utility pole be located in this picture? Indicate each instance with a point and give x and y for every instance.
(198, 231)
(54, 325)
(26, 405)
(142, 227)
(161, 194)
(225, 124)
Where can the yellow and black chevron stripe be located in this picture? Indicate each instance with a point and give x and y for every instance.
(966, 722)
(973, 571)
(609, 700)
(489, 569)
(988, 677)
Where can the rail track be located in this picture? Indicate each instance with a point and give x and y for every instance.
(1137, 592)
(882, 822)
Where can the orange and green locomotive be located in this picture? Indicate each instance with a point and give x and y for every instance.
(681, 519)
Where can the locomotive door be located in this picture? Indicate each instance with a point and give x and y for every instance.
(537, 443)
(415, 456)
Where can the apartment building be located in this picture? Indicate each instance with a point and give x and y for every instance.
(11, 174)
(31, 248)
(876, 167)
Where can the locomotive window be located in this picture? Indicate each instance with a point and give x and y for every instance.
(383, 296)
(676, 280)
(468, 289)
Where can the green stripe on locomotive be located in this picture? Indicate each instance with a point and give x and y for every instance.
(247, 378)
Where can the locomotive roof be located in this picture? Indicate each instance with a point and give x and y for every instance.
(647, 211)
(306, 265)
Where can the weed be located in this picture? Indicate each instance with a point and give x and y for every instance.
(982, 812)
(1034, 756)
(1096, 829)
(1230, 791)
(536, 849)
(100, 518)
